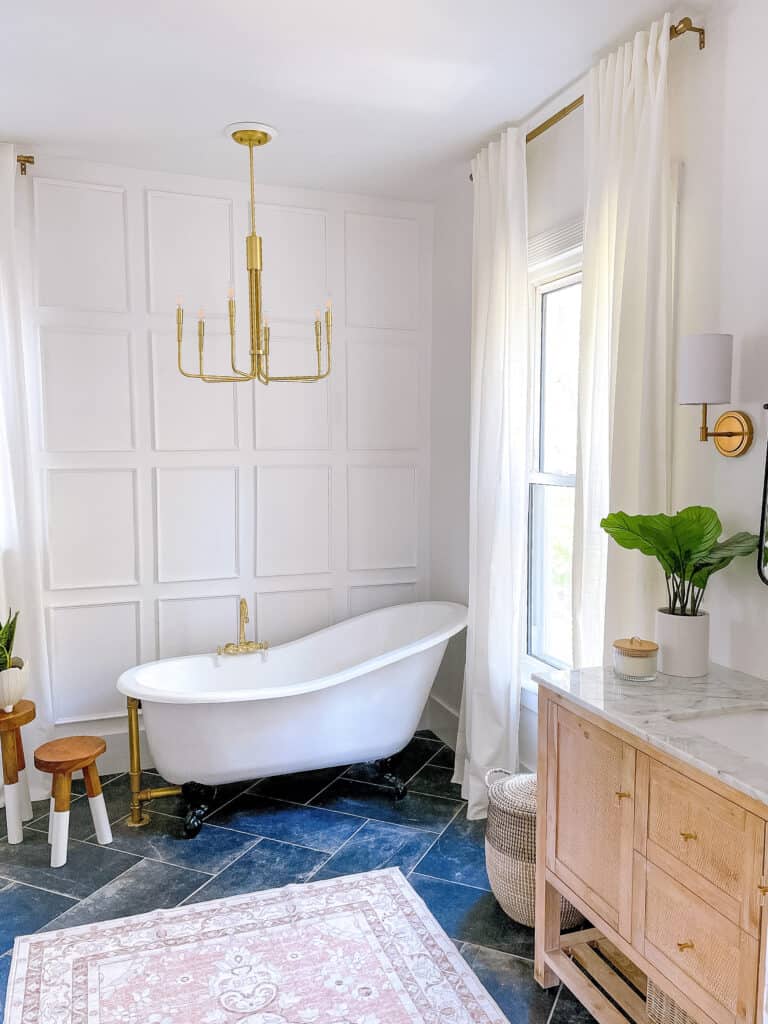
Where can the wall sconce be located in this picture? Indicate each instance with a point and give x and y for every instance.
(704, 366)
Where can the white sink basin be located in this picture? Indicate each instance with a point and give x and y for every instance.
(743, 730)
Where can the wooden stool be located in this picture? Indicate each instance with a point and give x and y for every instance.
(60, 758)
(18, 807)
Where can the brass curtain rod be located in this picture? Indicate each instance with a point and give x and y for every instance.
(675, 31)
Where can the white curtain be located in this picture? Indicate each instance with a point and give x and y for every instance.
(20, 556)
(498, 471)
(624, 429)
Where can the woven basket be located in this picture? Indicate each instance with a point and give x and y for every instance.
(510, 847)
(662, 1009)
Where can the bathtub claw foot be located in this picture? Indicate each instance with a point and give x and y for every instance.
(384, 768)
(199, 799)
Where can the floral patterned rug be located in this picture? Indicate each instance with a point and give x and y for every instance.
(362, 949)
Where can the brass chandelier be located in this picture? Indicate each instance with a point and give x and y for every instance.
(251, 135)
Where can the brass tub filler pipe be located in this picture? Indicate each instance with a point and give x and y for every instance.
(140, 796)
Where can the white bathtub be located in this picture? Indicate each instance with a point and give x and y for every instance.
(352, 692)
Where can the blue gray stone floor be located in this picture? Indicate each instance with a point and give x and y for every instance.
(267, 833)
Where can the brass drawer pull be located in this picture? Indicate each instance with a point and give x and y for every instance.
(622, 795)
(682, 946)
(689, 835)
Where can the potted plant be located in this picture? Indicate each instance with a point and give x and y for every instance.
(688, 548)
(12, 672)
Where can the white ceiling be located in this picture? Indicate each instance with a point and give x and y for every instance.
(381, 98)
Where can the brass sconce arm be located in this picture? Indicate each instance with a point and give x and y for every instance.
(733, 433)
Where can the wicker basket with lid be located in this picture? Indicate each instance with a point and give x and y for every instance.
(510, 847)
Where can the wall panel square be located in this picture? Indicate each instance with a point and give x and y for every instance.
(191, 415)
(382, 271)
(195, 625)
(293, 520)
(197, 523)
(292, 416)
(90, 645)
(382, 517)
(295, 265)
(80, 246)
(289, 614)
(91, 520)
(189, 254)
(87, 390)
(380, 595)
(382, 397)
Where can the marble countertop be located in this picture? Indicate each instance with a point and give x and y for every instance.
(644, 710)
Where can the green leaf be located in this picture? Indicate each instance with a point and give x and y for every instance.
(721, 556)
(651, 535)
(7, 634)
(737, 546)
(696, 530)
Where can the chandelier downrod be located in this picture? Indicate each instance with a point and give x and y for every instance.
(252, 135)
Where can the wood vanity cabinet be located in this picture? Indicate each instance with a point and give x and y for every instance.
(666, 863)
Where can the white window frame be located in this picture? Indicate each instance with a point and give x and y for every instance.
(544, 277)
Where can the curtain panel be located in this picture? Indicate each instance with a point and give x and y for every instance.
(20, 499)
(627, 338)
(499, 445)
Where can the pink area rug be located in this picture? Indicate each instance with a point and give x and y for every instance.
(362, 949)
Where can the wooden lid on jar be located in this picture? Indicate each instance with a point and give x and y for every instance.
(634, 647)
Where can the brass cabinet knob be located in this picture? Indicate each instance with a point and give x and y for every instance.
(689, 835)
(682, 946)
(622, 795)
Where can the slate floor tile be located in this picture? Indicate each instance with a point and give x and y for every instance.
(380, 845)
(300, 787)
(431, 813)
(510, 982)
(146, 886)
(459, 854)
(313, 827)
(568, 1010)
(24, 910)
(436, 781)
(444, 758)
(473, 915)
(117, 797)
(405, 764)
(5, 968)
(427, 734)
(87, 869)
(211, 850)
(267, 865)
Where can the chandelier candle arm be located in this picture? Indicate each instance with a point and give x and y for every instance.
(252, 135)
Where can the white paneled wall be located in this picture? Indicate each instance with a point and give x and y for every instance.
(168, 499)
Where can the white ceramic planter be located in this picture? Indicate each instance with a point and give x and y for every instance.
(13, 686)
(683, 643)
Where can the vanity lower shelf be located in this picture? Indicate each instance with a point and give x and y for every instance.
(666, 864)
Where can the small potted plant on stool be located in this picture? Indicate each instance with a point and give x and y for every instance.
(13, 676)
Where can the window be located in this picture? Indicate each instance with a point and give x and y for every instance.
(552, 478)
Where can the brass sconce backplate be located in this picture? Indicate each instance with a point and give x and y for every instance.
(739, 426)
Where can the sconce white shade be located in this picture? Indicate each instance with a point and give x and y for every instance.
(704, 364)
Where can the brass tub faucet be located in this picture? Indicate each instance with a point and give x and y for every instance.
(243, 646)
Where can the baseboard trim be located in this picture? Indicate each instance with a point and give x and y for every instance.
(442, 719)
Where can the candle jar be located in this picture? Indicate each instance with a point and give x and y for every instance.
(635, 659)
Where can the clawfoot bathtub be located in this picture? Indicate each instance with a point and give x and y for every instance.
(352, 692)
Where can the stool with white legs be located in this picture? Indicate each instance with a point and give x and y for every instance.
(60, 758)
(18, 807)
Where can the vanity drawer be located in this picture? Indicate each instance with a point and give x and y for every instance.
(706, 842)
(707, 956)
